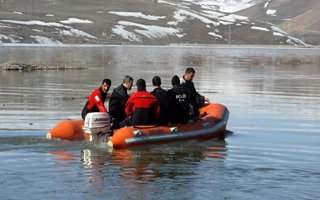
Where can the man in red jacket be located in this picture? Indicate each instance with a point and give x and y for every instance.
(97, 98)
(143, 108)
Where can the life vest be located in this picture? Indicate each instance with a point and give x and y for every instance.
(95, 103)
(179, 104)
(144, 108)
(97, 98)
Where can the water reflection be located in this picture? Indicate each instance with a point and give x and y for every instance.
(155, 161)
(105, 171)
(64, 158)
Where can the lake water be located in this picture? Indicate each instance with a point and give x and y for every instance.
(272, 150)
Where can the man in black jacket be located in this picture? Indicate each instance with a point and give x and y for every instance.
(179, 102)
(118, 100)
(196, 100)
(163, 99)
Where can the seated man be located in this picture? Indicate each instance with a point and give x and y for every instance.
(163, 99)
(142, 107)
(97, 98)
(196, 100)
(179, 102)
(118, 101)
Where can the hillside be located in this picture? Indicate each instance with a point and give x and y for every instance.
(138, 22)
(298, 18)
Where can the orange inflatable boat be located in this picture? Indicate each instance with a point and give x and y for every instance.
(96, 128)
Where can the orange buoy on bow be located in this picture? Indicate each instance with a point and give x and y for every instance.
(67, 130)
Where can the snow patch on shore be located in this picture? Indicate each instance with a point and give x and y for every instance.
(211, 14)
(233, 18)
(69, 29)
(271, 12)
(278, 30)
(278, 34)
(76, 32)
(10, 38)
(259, 28)
(149, 31)
(215, 35)
(295, 41)
(45, 40)
(152, 31)
(184, 15)
(137, 15)
(4, 26)
(76, 21)
(128, 35)
(33, 23)
(17, 12)
(224, 6)
(172, 4)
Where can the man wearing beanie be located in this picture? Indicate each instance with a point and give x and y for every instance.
(179, 102)
(142, 107)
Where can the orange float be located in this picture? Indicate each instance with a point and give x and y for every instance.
(67, 130)
(211, 125)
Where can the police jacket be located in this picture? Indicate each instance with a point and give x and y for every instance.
(163, 99)
(179, 104)
(195, 97)
(95, 102)
(144, 108)
(117, 102)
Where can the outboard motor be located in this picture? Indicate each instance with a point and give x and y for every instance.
(97, 126)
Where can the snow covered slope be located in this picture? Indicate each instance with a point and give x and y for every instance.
(299, 18)
(137, 22)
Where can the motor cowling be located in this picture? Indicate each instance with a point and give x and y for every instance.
(97, 124)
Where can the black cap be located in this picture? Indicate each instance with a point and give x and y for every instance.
(175, 80)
